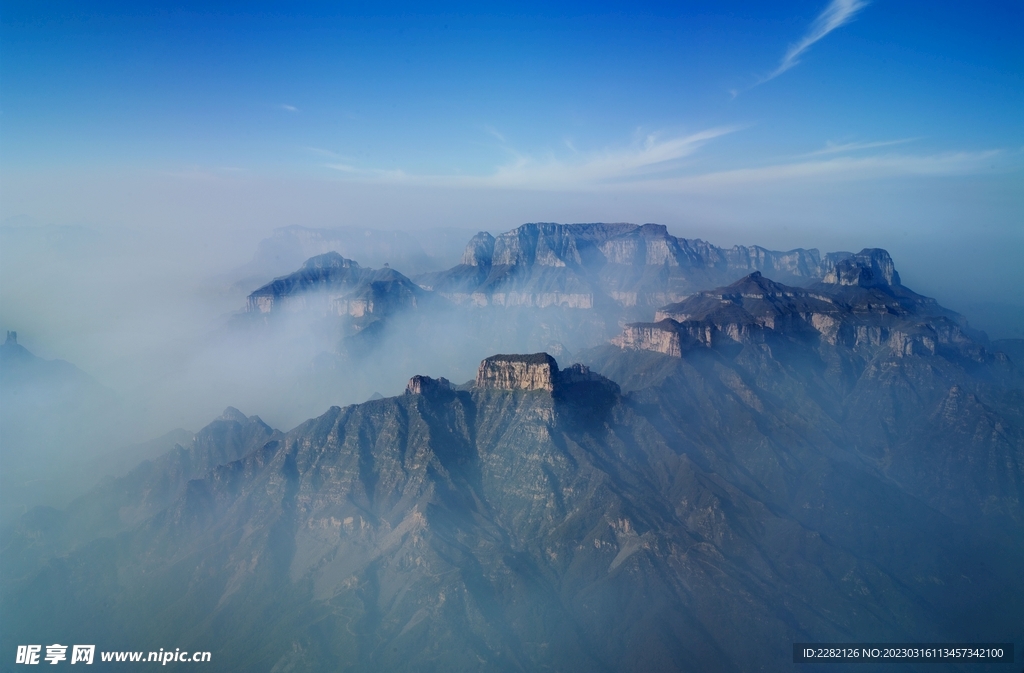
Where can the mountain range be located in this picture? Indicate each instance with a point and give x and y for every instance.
(583, 266)
(837, 459)
(552, 287)
(587, 265)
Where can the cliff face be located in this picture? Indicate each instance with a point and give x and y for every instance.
(518, 372)
(721, 509)
(329, 284)
(424, 385)
(479, 250)
(586, 265)
(860, 306)
(663, 337)
(870, 267)
(578, 284)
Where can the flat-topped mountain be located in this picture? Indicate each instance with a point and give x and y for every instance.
(518, 372)
(858, 305)
(577, 385)
(587, 265)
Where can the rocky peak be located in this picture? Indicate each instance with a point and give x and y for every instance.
(333, 285)
(870, 267)
(479, 250)
(330, 260)
(12, 338)
(518, 372)
(754, 286)
(232, 414)
(577, 373)
(425, 385)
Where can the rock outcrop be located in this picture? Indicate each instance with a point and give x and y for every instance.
(663, 337)
(583, 282)
(330, 284)
(424, 385)
(518, 372)
(720, 510)
(587, 394)
(479, 250)
(868, 268)
(590, 265)
(860, 306)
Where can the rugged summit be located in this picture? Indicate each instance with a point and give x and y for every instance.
(587, 265)
(331, 284)
(869, 267)
(860, 305)
(705, 519)
(518, 372)
(424, 385)
(832, 460)
(543, 286)
(150, 487)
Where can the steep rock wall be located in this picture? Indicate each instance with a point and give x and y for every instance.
(518, 372)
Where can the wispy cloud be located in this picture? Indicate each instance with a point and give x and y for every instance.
(648, 156)
(838, 169)
(494, 132)
(374, 174)
(838, 13)
(288, 108)
(656, 163)
(651, 155)
(651, 169)
(837, 148)
(324, 153)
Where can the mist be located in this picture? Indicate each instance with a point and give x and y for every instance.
(144, 287)
(720, 310)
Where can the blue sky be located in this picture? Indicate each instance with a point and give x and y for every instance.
(515, 94)
(837, 123)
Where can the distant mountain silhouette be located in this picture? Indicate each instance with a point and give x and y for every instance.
(51, 413)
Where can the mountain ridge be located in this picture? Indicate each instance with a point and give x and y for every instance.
(697, 520)
(584, 279)
(834, 462)
(579, 265)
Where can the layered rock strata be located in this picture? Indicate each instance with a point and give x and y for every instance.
(575, 385)
(859, 305)
(424, 385)
(333, 285)
(586, 265)
(518, 372)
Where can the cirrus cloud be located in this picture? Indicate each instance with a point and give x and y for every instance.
(836, 14)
